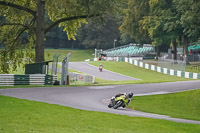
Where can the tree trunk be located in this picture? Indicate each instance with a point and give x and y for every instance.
(185, 46)
(157, 51)
(174, 48)
(40, 27)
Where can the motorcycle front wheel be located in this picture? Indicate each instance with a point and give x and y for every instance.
(109, 105)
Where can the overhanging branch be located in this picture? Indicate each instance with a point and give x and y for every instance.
(23, 25)
(20, 33)
(69, 19)
(18, 7)
(14, 41)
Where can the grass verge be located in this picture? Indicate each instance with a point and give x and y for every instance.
(24, 116)
(180, 105)
(76, 55)
(189, 68)
(146, 76)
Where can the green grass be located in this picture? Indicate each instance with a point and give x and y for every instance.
(76, 55)
(192, 69)
(23, 116)
(146, 76)
(180, 105)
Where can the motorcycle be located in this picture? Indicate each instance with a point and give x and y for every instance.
(117, 102)
(100, 69)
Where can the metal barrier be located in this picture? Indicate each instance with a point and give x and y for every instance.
(76, 78)
(28, 79)
(172, 64)
(54, 64)
(65, 73)
(194, 57)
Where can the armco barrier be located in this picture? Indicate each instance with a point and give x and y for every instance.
(28, 79)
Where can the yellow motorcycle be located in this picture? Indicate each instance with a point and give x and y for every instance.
(117, 102)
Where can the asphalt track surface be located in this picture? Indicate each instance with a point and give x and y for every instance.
(96, 98)
(93, 70)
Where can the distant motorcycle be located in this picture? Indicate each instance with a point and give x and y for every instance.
(100, 68)
(117, 102)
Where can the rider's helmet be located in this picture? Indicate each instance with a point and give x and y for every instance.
(130, 95)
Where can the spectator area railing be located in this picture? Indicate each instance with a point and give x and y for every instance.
(129, 50)
(28, 79)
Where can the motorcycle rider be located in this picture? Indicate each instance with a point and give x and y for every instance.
(100, 67)
(127, 95)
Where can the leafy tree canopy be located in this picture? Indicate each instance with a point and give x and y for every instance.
(133, 14)
(163, 21)
(25, 23)
(99, 35)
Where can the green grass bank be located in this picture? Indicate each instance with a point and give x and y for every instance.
(76, 55)
(145, 76)
(184, 105)
(22, 116)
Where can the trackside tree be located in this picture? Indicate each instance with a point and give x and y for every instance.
(164, 22)
(24, 23)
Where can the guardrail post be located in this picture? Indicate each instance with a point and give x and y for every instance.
(65, 73)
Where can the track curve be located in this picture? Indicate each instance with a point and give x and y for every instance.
(93, 70)
(95, 98)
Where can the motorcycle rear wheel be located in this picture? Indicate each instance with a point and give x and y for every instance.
(118, 104)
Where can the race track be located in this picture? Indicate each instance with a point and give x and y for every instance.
(93, 70)
(95, 98)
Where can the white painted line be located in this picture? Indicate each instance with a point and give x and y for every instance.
(152, 93)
